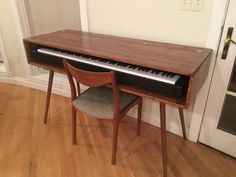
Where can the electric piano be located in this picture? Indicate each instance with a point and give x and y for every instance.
(169, 73)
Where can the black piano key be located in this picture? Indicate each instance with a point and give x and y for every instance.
(106, 61)
(113, 62)
(147, 69)
(153, 71)
(132, 67)
(142, 69)
(167, 74)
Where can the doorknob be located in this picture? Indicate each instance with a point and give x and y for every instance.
(227, 42)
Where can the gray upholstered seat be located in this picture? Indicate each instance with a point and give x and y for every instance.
(99, 102)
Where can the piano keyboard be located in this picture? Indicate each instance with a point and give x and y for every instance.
(148, 73)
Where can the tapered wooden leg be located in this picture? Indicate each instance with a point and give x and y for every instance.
(163, 137)
(50, 81)
(181, 114)
(78, 87)
(139, 116)
(73, 125)
(114, 144)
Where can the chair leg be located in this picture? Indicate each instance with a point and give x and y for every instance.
(73, 125)
(78, 87)
(181, 114)
(139, 116)
(114, 143)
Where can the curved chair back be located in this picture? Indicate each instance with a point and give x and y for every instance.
(91, 79)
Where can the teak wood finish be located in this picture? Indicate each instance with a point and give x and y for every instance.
(97, 79)
(192, 62)
(179, 59)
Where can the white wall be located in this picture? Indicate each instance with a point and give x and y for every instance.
(157, 20)
(51, 15)
(160, 20)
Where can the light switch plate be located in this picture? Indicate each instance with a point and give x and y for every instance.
(192, 5)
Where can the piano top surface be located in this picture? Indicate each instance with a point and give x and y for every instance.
(174, 58)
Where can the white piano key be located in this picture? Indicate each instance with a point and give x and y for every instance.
(116, 67)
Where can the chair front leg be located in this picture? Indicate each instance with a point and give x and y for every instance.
(115, 137)
(73, 125)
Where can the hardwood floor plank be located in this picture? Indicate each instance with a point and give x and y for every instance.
(30, 148)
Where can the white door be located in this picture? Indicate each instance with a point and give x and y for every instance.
(219, 124)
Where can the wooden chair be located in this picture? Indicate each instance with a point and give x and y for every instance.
(99, 100)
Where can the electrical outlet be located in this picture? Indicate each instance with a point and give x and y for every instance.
(192, 5)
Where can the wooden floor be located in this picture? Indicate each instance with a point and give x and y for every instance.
(29, 148)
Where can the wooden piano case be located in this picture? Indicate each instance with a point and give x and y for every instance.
(192, 62)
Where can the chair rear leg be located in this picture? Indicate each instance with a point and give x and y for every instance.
(73, 125)
(139, 116)
(114, 143)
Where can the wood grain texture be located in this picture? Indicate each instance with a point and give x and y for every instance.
(29, 148)
(196, 81)
(174, 58)
(193, 62)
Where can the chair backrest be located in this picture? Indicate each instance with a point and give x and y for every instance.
(91, 79)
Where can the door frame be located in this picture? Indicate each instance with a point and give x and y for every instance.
(84, 15)
(5, 58)
(219, 12)
(40, 81)
(25, 29)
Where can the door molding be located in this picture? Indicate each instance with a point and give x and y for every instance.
(4, 57)
(83, 15)
(20, 5)
(212, 41)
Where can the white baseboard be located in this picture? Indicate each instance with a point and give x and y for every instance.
(60, 88)
(42, 85)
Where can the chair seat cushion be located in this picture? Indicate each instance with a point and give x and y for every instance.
(99, 102)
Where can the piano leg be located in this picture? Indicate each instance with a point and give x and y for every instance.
(51, 74)
(181, 114)
(163, 137)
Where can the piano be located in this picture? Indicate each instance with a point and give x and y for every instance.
(129, 74)
(169, 73)
(156, 69)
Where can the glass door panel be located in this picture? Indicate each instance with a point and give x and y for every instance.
(227, 120)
